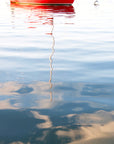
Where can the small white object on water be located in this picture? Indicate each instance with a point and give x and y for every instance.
(96, 3)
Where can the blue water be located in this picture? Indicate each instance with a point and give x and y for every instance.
(57, 73)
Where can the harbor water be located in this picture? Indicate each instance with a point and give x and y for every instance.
(57, 73)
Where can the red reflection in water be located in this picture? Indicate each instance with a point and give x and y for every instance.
(47, 8)
(58, 9)
(44, 1)
(43, 14)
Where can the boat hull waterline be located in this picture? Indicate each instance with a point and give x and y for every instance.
(51, 2)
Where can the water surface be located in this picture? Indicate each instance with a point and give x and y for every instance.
(57, 73)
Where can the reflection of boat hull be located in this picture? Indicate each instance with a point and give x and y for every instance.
(43, 1)
(64, 9)
(41, 14)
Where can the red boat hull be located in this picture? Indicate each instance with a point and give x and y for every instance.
(43, 1)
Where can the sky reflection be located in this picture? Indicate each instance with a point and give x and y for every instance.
(45, 126)
(40, 92)
(53, 91)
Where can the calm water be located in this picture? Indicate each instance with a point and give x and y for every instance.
(57, 73)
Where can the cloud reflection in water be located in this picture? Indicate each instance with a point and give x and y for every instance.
(54, 113)
(68, 118)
